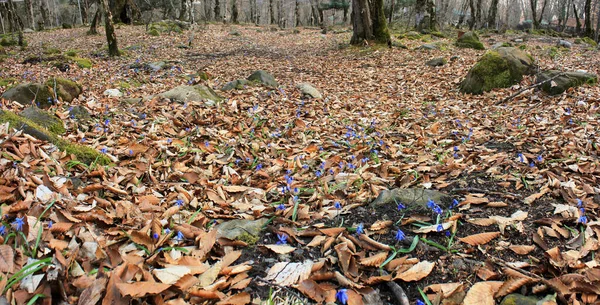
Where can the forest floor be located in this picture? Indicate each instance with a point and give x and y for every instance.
(145, 226)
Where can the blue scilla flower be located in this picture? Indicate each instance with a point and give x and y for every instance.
(342, 296)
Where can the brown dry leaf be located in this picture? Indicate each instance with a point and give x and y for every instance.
(7, 260)
(236, 299)
(141, 289)
(521, 249)
(317, 241)
(416, 272)
(482, 293)
(446, 289)
(530, 199)
(280, 249)
(287, 274)
(434, 228)
(210, 275)
(511, 285)
(380, 225)
(374, 260)
(92, 294)
(479, 239)
(171, 275)
(473, 199)
(484, 222)
(312, 290)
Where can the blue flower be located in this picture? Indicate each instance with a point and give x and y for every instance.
(296, 190)
(281, 239)
(103, 150)
(582, 219)
(579, 203)
(342, 296)
(360, 229)
(2, 230)
(206, 143)
(539, 158)
(155, 236)
(437, 210)
(400, 235)
(448, 233)
(106, 122)
(531, 164)
(305, 166)
(179, 236)
(431, 204)
(401, 206)
(50, 224)
(19, 223)
(280, 207)
(169, 140)
(337, 205)
(318, 174)
(167, 231)
(439, 228)
(179, 202)
(419, 302)
(521, 158)
(131, 152)
(454, 203)
(259, 167)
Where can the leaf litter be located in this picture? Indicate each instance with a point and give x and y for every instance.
(524, 176)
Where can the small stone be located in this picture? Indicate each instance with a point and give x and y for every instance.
(237, 84)
(264, 78)
(308, 90)
(197, 93)
(241, 229)
(564, 43)
(436, 62)
(414, 199)
(79, 112)
(113, 93)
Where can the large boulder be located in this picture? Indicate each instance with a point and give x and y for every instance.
(500, 68)
(30, 93)
(469, 40)
(264, 78)
(183, 94)
(66, 90)
(561, 81)
(45, 119)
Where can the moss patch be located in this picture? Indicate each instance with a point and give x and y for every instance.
(83, 63)
(83, 153)
(590, 41)
(71, 53)
(248, 238)
(153, 32)
(66, 89)
(492, 71)
(50, 51)
(44, 119)
(5, 82)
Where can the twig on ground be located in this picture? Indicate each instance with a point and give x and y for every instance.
(502, 101)
(478, 190)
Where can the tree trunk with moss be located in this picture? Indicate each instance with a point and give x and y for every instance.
(578, 27)
(111, 37)
(369, 22)
(491, 20)
(183, 11)
(16, 24)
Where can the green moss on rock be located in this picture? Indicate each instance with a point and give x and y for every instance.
(5, 82)
(66, 89)
(469, 40)
(153, 32)
(44, 119)
(590, 41)
(83, 153)
(83, 63)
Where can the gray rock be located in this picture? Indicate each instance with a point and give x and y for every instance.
(28, 30)
(500, 68)
(157, 66)
(113, 93)
(518, 40)
(236, 84)
(308, 90)
(79, 112)
(67, 90)
(242, 229)
(26, 94)
(564, 43)
(412, 35)
(414, 199)
(518, 299)
(561, 83)
(454, 58)
(436, 62)
(131, 101)
(429, 46)
(183, 94)
(44, 119)
(264, 78)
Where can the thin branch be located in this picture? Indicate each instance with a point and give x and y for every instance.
(527, 88)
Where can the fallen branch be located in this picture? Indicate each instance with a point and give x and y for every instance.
(527, 88)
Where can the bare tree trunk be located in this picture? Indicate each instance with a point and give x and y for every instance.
(111, 38)
(45, 13)
(93, 30)
(271, 12)
(17, 23)
(297, 21)
(183, 10)
(391, 11)
(30, 17)
(589, 31)
(578, 28)
(234, 12)
(217, 10)
(473, 19)
(491, 20)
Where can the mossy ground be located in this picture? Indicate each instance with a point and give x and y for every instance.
(83, 63)
(470, 40)
(83, 153)
(6, 82)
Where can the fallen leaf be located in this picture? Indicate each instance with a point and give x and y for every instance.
(141, 289)
(416, 272)
(479, 239)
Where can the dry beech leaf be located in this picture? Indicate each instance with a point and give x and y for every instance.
(484, 222)
(210, 275)
(171, 275)
(482, 293)
(141, 289)
(416, 272)
(521, 249)
(434, 228)
(374, 260)
(280, 249)
(287, 274)
(380, 225)
(479, 239)
(511, 285)
(7, 260)
(241, 298)
(446, 289)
